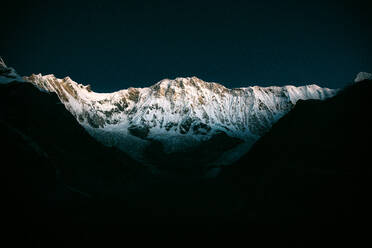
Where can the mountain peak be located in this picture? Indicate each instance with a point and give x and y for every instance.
(2, 63)
(178, 81)
(361, 76)
(184, 84)
(8, 74)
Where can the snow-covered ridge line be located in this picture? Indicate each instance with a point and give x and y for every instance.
(186, 93)
(178, 113)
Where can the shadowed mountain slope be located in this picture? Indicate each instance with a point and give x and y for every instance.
(314, 164)
(42, 124)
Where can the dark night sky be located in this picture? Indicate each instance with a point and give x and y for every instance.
(115, 45)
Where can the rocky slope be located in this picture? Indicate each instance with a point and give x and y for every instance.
(184, 116)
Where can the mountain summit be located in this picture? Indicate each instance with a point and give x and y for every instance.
(8, 74)
(183, 116)
(361, 76)
(2, 63)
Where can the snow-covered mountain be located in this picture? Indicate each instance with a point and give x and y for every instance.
(182, 116)
(362, 76)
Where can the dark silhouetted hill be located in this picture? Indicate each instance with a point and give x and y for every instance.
(313, 165)
(56, 175)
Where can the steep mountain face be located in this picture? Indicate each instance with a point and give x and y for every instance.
(184, 116)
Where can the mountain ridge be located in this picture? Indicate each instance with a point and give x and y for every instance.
(179, 113)
(177, 116)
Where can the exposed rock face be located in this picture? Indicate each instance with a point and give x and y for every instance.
(179, 113)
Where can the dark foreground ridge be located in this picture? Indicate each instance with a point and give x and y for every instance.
(311, 170)
(314, 164)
